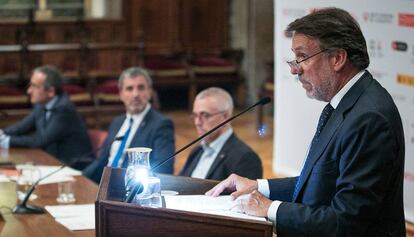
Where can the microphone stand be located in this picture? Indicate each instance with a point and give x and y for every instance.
(24, 208)
(138, 188)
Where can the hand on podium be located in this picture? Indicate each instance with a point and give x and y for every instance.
(256, 204)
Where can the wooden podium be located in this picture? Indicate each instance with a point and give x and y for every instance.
(115, 218)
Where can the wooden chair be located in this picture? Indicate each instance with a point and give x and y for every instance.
(97, 137)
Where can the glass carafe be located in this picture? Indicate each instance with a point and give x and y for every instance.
(139, 173)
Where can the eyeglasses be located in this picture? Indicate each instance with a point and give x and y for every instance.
(203, 116)
(294, 64)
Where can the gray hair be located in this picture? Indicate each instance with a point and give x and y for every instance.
(134, 72)
(53, 78)
(335, 29)
(222, 96)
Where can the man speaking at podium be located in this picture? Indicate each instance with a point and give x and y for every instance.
(142, 126)
(351, 183)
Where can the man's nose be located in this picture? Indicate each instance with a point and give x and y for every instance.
(136, 92)
(197, 121)
(295, 70)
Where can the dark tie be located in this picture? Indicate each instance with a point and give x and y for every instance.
(44, 117)
(326, 113)
(122, 146)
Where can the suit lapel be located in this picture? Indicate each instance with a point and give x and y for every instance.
(192, 163)
(138, 135)
(333, 124)
(221, 156)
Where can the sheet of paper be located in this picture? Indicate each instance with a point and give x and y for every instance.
(221, 205)
(71, 210)
(77, 223)
(3, 178)
(74, 217)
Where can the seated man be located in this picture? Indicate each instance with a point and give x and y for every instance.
(221, 153)
(141, 126)
(54, 124)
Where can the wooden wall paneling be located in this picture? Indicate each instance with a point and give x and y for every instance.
(204, 24)
(156, 23)
(106, 31)
(9, 66)
(8, 33)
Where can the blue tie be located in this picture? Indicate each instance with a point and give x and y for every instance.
(326, 113)
(122, 146)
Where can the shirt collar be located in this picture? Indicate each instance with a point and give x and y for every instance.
(338, 97)
(49, 105)
(140, 116)
(217, 144)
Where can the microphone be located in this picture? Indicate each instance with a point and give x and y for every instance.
(24, 208)
(138, 187)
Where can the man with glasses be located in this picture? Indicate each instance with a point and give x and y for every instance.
(53, 125)
(222, 152)
(141, 126)
(351, 183)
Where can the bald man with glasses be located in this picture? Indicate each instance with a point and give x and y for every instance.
(222, 152)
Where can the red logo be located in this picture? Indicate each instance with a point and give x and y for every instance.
(399, 46)
(406, 20)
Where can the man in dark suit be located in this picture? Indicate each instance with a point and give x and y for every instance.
(221, 153)
(140, 127)
(352, 180)
(54, 124)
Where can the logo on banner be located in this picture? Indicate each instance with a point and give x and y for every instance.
(404, 79)
(376, 17)
(288, 34)
(399, 46)
(375, 49)
(406, 20)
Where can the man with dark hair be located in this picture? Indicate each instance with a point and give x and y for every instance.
(141, 126)
(351, 183)
(54, 124)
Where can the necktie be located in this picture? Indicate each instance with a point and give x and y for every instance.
(326, 113)
(44, 117)
(122, 146)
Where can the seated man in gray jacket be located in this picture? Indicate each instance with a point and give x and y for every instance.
(54, 125)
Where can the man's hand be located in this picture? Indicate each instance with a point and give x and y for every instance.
(255, 204)
(236, 184)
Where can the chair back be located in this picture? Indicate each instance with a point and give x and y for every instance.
(97, 138)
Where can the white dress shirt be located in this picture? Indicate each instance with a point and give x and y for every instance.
(209, 154)
(136, 121)
(263, 184)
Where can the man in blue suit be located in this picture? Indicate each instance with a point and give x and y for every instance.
(54, 124)
(141, 126)
(351, 183)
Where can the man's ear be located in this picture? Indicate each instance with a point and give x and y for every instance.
(339, 59)
(51, 92)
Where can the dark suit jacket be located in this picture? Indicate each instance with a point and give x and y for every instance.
(234, 157)
(155, 132)
(64, 135)
(353, 182)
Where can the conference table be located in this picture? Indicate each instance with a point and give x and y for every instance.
(34, 225)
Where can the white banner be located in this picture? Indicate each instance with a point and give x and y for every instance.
(388, 27)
